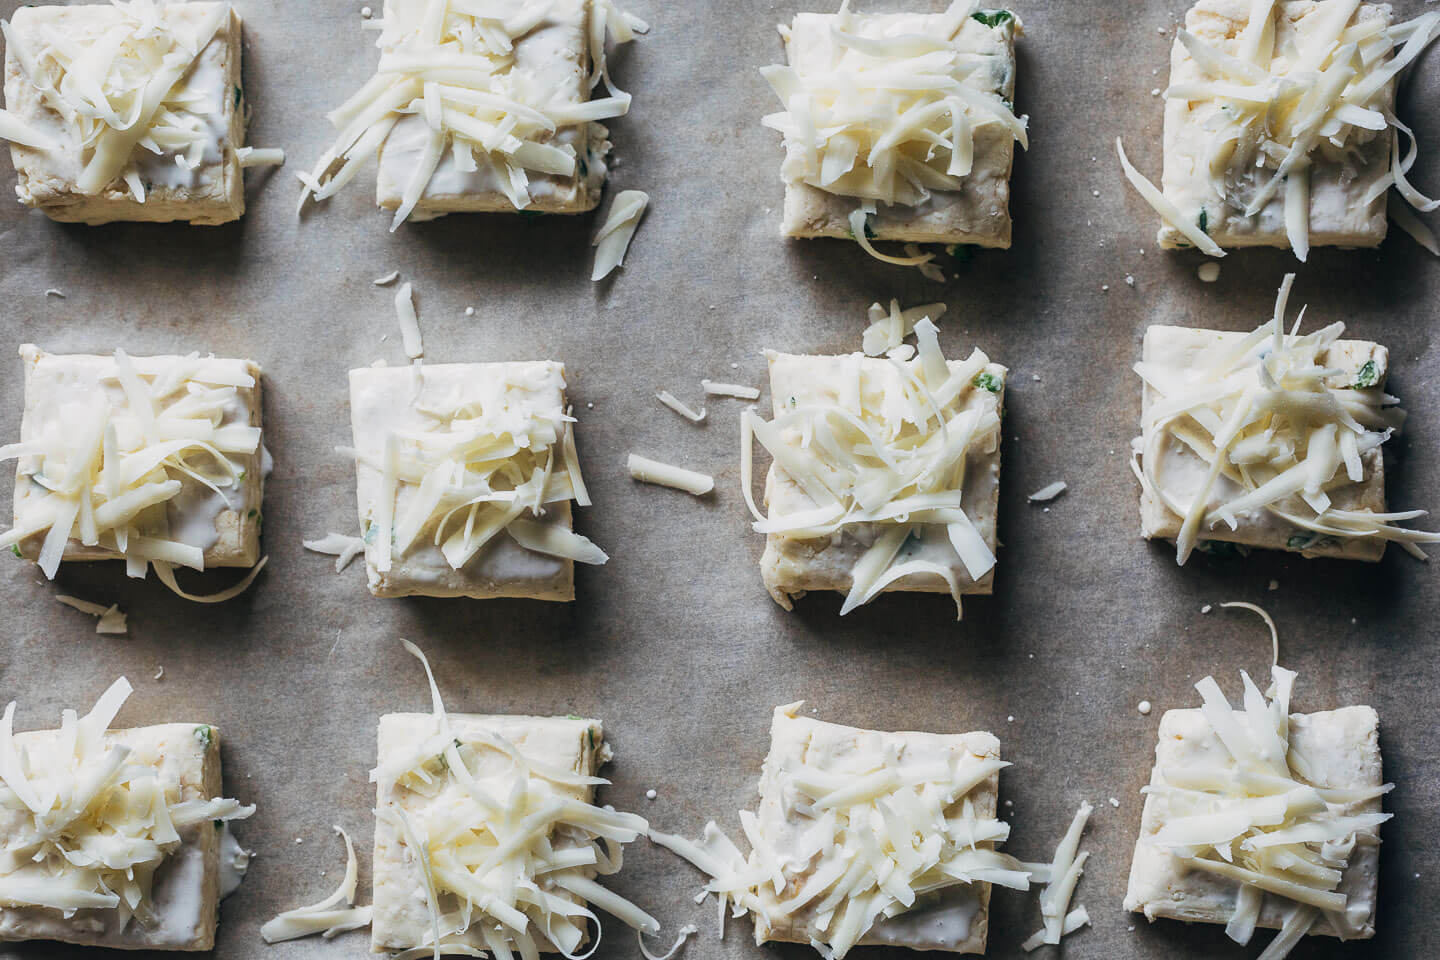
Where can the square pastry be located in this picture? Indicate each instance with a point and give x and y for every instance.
(464, 477)
(1237, 833)
(152, 138)
(941, 174)
(156, 881)
(918, 514)
(823, 787)
(1302, 468)
(548, 63)
(1218, 171)
(430, 809)
(138, 458)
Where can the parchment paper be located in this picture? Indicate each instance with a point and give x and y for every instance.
(675, 643)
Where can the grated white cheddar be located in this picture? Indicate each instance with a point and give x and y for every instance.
(111, 619)
(1282, 435)
(327, 917)
(260, 157)
(888, 453)
(667, 475)
(100, 467)
(1062, 875)
(506, 847)
(889, 328)
(612, 240)
(1301, 86)
(338, 545)
(89, 823)
(1048, 492)
(674, 403)
(452, 63)
(739, 391)
(409, 322)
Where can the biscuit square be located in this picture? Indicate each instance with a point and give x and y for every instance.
(956, 919)
(60, 393)
(1341, 749)
(1178, 347)
(979, 213)
(1338, 183)
(791, 566)
(404, 401)
(209, 93)
(401, 920)
(186, 891)
(554, 56)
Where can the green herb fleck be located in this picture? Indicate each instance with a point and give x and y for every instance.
(1304, 541)
(240, 475)
(238, 95)
(532, 213)
(869, 230)
(573, 716)
(590, 738)
(794, 402)
(219, 824)
(993, 18)
(1368, 376)
(1222, 549)
(204, 735)
(986, 380)
(15, 549)
(584, 167)
(1204, 221)
(961, 252)
(369, 535)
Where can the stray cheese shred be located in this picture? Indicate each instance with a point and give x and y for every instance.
(503, 853)
(1256, 817)
(89, 828)
(1272, 111)
(338, 545)
(1063, 874)
(454, 63)
(111, 620)
(739, 391)
(873, 831)
(1283, 432)
(889, 328)
(327, 917)
(667, 475)
(612, 241)
(125, 92)
(680, 407)
(103, 469)
(890, 454)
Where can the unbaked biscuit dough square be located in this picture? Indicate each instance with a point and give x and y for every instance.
(400, 399)
(1338, 217)
(1341, 749)
(980, 213)
(213, 193)
(1185, 470)
(401, 920)
(186, 891)
(956, 920)
(58, 388)
(790, 567)
(555, 57)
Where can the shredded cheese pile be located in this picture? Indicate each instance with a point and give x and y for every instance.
(327, 917)
(891, 118)
(873, 832)
(1271, 110)
(1060, 876)
(122, 92)
(1260, 818)
(1264, 413)
(452, 63)
(474, 471)
(502, 851)
(111, 619)
(891, 452)
(89, 828)
(108, 468)
(889, 328)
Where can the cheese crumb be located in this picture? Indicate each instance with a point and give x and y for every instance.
(1206, 609)
(386, 280)
(1114, 802)
(1208, 271)
(650, 794)
(52, 292)
(469, 311)
(1144, 707)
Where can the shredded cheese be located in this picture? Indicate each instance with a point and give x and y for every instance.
(409, 322)
(612, 241)
(1254, 814)
(327, 917)
(506, 848)
(887, 116)
(1061, 878)
(92, 823)
(260, 157)
(454, 64)
(1278, 98)
(386, 280)
(101, 469)
(1260, 612)
(338, 545)
(674, 403)
(889, 452)
(488, 459)
(111, 618)
(738, 391)
(847, 838)
(1280, 428)
(125, 92)
(889, 328)
(667, 475)
(1048, 492)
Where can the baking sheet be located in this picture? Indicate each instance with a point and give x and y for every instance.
(675, 643)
